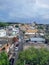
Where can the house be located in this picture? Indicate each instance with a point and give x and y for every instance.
(4, 46)
(15, 31)
(23, 28)
(31, 31)
(37, 40)
(2, 33)
(12, 31)
(41, 34)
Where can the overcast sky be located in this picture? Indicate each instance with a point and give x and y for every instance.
(24, 11)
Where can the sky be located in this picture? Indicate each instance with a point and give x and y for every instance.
(26, 11)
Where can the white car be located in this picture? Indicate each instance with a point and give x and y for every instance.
(16, 48)
(19, 40)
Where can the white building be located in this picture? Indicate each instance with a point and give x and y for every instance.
(2, 33)
(15, 31)
(12, 31)
(37, 40)
(31, 31)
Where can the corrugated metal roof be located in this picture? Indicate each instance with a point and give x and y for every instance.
(38, 39)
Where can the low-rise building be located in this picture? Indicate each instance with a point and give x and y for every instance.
(37, 40)
(12, 31)
(31, 31)
(2, 33)
(4, 46)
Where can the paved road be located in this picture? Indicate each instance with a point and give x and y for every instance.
(20, 48)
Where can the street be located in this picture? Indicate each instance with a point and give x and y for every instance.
(20, 47)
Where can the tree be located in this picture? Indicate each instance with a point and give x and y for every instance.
(40, 27)
(4, 59)
(3, 24)
(23, 32)
(17, 26)
(34, 56)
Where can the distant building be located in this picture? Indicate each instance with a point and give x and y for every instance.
(33, 31)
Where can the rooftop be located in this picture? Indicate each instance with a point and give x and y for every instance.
(37, 39)
(32, 31)
(3, 42)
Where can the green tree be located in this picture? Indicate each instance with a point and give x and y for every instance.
(34, 56)
(2, 24)
(4, 59)
(17, 26)
(23, 32)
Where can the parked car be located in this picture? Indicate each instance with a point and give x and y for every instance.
(16, 48)
(28, 40)
(11, 61)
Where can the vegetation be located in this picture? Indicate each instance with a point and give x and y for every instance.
(23, 32)
(22, 24)
(40, 27)
(4, 59)
(47, 37)
(3, 24)
(17, 26)
(33, 56)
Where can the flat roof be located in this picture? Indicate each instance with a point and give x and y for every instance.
(3, 42)
(32, 31)
(37, 39)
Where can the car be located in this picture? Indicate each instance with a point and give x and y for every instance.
(19, 40)
(16, 48)
(27, 40)
(11, 61)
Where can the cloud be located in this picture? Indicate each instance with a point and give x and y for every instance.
(13, 9)
(42, 4)
(45, 16)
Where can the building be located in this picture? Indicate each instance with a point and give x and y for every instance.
(12, 31)
(4, 46)
(2, 33)
(37, 40)
(31, 32)
(34, 31)
(15, 31)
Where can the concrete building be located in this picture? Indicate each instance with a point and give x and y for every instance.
(2, 33)
(37, 40)
(31, 31)
(4, 46)
(12, 31)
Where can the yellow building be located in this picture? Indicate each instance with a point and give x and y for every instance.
(34, 31)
